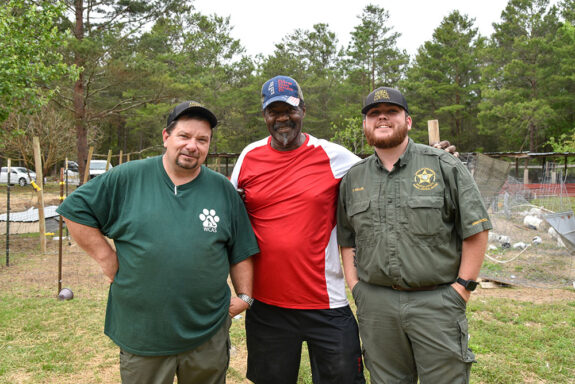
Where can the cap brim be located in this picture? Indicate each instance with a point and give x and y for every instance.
(365, 109)
(291, 100)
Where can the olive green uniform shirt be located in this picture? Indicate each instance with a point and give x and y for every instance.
(408, 225)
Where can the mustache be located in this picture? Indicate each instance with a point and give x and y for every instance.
(289, 124)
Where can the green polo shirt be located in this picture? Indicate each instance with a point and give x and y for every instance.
(408, 225)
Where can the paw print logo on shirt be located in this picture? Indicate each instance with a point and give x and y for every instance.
(209, 220)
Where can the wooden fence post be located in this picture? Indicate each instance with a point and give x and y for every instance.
(40, 179)
(433, 131)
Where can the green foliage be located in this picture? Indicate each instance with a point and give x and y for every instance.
(349, 133)
(373, 54)
(29, 57)
(512, 91)
(444, 82)
(517, 96)
(565, 143)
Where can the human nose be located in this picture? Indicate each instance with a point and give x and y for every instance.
(283, 115)
(192, 144)
(382, 115)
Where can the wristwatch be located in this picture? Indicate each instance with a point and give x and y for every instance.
(246, 298)
(469, 285)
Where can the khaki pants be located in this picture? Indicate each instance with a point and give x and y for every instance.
(206, 364)
(411, 335)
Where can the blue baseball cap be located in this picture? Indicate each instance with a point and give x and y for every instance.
(281, 88)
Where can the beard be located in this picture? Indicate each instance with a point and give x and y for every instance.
(188, 163)
(395, 138)
(285, 138)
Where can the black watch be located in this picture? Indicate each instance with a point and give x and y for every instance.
(469, 285)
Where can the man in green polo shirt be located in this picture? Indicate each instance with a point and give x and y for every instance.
(413, 231)
(178, 229)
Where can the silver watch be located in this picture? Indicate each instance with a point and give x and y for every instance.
(246, 298)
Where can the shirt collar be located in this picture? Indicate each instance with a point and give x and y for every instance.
(403, 159)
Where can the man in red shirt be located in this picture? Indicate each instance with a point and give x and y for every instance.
(290, 180)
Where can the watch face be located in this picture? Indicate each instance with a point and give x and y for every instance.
(471, 285)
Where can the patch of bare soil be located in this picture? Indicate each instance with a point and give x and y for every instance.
(531, 295)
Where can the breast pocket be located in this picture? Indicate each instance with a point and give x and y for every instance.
(360, 217)
(424, 215)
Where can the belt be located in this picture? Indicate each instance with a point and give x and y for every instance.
(428, 288)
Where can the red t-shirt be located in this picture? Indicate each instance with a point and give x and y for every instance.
(291, 198)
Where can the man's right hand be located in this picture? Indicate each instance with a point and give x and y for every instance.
(242, 193)
(447, 147)
(109, 265)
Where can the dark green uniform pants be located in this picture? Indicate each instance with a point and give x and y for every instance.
(411, 335)
(206, 364)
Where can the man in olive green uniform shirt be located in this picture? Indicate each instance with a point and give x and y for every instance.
(413, 231)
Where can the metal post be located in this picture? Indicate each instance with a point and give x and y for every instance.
(8, 214)
(60, 233)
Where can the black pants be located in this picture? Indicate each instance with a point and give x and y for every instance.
(275, 336)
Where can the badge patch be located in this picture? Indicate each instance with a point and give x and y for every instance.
(425, 179)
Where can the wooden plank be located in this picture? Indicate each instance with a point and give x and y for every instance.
(433, 131)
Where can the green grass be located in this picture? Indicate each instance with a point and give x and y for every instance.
(523, 342)
(43, 340)
(46, 340)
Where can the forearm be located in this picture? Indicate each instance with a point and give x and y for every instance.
(349, 267)
(92, 241)
(472, 255)
(242, 276)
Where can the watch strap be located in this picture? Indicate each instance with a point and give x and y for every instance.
(246, 298)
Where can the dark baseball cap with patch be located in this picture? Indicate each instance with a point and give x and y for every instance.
(384, 95)
(192, 108)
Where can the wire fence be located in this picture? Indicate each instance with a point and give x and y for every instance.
(524, 249)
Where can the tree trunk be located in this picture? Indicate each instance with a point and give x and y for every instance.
(532, 143)
(79, 105)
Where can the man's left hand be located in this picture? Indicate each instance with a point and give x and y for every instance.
(447, 147)
(464, 293)
(237, 306)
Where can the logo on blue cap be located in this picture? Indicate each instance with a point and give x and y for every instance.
(281, 88)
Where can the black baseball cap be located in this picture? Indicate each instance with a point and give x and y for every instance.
(192, 108)
(384, 95)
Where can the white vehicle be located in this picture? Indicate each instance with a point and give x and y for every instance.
(97, 167)
(17, 176)
(27, 171)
